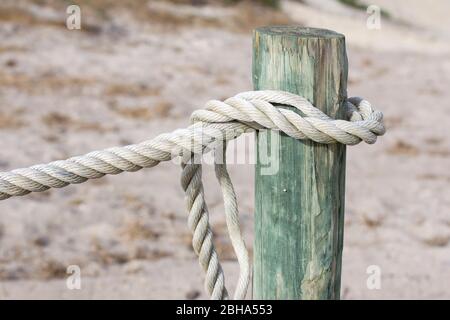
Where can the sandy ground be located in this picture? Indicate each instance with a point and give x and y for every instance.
(123, 80)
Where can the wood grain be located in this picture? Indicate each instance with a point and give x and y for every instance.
(299, 206)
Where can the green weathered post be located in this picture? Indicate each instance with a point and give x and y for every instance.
(299, 208)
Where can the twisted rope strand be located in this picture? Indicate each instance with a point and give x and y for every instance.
(218, 123)
(198, 222)
(233, 226)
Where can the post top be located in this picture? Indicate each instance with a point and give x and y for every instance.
(298, 31)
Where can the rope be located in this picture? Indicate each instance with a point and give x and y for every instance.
(213, 126)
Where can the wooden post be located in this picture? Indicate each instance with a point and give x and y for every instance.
(299, 208)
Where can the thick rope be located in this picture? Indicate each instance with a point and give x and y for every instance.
(218, 123)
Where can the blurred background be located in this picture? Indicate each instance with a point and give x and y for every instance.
(139, 68)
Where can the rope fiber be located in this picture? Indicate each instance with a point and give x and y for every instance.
(211, 128)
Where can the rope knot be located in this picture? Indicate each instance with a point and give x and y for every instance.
(257, 110)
